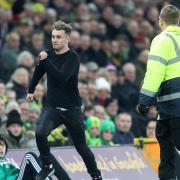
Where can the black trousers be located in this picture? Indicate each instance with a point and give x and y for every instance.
(50, 119)
(168, 136)
(31, 166)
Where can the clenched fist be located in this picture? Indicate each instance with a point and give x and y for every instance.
(42, 55)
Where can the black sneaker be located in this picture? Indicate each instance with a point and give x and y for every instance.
(45, 172)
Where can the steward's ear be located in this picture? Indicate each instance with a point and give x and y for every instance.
(161, 22)
(68, 37)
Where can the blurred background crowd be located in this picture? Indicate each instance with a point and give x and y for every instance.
(112, 38)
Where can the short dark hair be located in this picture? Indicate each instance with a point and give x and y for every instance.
(60, 25)
(170, 14)
(3, 140)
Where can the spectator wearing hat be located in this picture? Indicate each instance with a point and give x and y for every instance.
(16, 138)
(103, 90)
(107, 132)
(24, 28)
(93, 131)
(38, 13)
(123, 134)
(112, 74)
(92, 68)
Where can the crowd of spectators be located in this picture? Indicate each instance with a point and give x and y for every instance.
(112, 38)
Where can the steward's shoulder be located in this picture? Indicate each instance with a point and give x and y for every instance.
(161, 38)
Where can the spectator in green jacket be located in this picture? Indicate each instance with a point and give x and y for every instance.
(8, 170)
(107, 131)
(93, 130)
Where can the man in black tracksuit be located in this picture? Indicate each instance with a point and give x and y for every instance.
(63, 103)
(29, 168)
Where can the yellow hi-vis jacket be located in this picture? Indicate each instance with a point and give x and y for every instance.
(162, 79)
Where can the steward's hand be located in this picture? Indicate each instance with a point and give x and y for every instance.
(142, 109)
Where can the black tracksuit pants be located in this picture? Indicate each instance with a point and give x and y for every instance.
(50, 119)
(168, 136)
(31, 166)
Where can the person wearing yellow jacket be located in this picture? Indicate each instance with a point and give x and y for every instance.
(162, 84)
